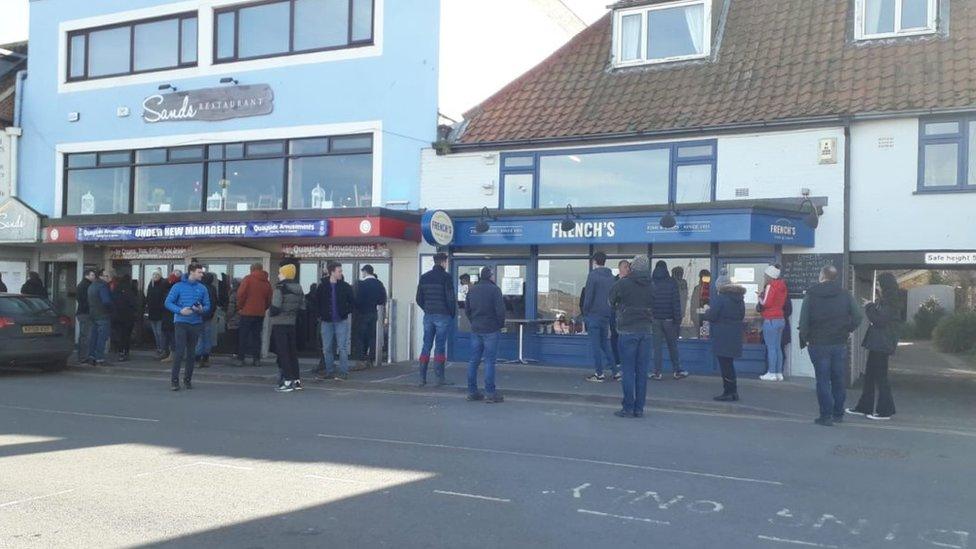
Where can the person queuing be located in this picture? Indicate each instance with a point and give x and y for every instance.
(435, 297)
(827, 319)
(287, 302)
(253, 301)
(82, 313)
(700, 297)
(667, 321)
(596, 313)
(881, 341)
(3, 287)
(189, 301)
(208, 333)
(623, 270)
(485, 309)
(155, 298)
(100, 313)
(726, 314)
(772, 300)
(370, 295)
(336, 303)
(123, 316)
(633, 302)
(34, 285)
(678, 275)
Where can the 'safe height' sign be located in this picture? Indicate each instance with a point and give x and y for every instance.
(209, 105)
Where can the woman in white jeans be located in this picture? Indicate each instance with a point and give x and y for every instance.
(772, 298)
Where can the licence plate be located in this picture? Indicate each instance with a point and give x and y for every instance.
(38, 329)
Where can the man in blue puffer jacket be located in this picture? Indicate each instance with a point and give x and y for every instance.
(189, 302)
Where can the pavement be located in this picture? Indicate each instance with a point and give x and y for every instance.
(96, 459)
(923, 400)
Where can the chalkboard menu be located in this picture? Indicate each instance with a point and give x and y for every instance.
(803, 270)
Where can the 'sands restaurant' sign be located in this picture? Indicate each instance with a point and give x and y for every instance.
(209, 105)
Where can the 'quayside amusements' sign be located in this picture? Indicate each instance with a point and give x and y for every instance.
(208, 105)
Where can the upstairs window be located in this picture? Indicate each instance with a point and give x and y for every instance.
(283, 27)
(892, 18)
(947, 154)
(140, 46)
(662, 33)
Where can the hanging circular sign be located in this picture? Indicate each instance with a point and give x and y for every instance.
(438, 228)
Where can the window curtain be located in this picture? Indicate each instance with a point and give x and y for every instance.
(879, 16)
(695, 19)
(630, 37)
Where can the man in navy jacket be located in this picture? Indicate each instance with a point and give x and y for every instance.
(667, 320)
(485, 308)
(436, 297)
(370, 294)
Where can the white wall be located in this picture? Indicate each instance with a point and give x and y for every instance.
(886, 214)
(459, 181)
(780, 164)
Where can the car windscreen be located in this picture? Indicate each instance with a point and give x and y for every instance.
(26, 306)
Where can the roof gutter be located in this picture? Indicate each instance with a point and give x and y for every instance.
(693, 131)
(15, 131)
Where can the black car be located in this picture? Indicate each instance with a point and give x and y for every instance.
(33, 333)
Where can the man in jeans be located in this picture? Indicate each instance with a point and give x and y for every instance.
(828, 317)
(485, 309)
(633, 303)
(336, 303)
(82, 315)
(436, 297)
(667, 321)
(189, 301)
(253, 300)
(100, 314)
(596, 313)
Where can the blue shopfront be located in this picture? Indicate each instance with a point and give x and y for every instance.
(541, 259)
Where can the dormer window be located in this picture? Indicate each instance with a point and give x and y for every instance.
(662, 33)
(894, 18)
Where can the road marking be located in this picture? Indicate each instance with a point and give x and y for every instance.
(84, 414)
(472, 496)
(623, 517)
(796, 542)
(579, 489)
(35, 498)
(558, 458)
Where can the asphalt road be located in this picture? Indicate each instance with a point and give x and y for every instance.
(88, 460)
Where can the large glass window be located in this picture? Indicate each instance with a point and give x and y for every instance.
(888, 18)
(749, 275)
(320, 172)
(689, 273)
(947, 152)
(517, 190)
(604, 179)
(694, 183)
(561, 281)
(292, 26)
(663, 32)
(139, 46)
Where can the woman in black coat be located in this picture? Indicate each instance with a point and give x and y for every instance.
(881, 341)
(124, 310)
(34, 286)
(726, 313)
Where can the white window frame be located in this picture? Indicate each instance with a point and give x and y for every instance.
(860, 22)
(643, 11)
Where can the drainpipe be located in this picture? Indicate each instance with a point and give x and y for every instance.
(15, 131)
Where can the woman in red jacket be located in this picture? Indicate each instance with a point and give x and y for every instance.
(772, 299)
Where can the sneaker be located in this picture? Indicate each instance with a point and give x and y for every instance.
(175, 386)
(825, 421)
(854, 412)
(638, 414)
(297, 385)
(98, 362)
(680, 374)
(187, 384)
(285, 387)
(623, 413)
(618, 376)
(768, 377)
(167, 358)
(876, 417)
(596, 378)
(495, 398)
(655, 377)
(472, 397)
(779, 377)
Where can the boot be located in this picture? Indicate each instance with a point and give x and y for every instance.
(727, 397)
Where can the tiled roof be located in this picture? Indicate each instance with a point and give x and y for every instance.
(777, 60)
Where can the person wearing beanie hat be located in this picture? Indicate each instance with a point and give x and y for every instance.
(287, 301)
(633, 303)
(485, 308)
(772, 300)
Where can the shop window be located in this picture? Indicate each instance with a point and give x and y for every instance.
(694, 183)
(140, 46)
(558, 291)
(665, 32)
(292, 26)
(517, 191)
(947, 155)
(693, 291)
(892, 18)
(333, 181)
(244, 185)
(169, 188)
(749, 275)
(95, 191)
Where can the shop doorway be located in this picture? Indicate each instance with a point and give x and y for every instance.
(61, 280)
(228, 274)
(510, 276)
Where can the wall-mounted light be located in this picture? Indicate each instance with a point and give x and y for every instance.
(163, 87)
(481, 227)
(668, 221)
(569, 222)
(228, 80)
(812, 219)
